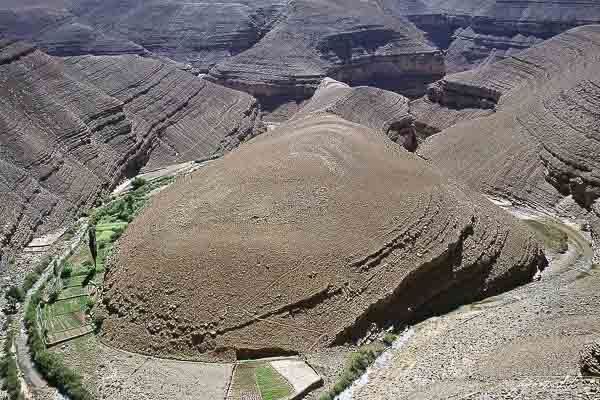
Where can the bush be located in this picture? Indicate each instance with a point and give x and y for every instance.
(66, 271)
(356, 365)
(14, 293)
(30, 280)
(138, 183)
(53, 296)
(89, 275)
(389, 338)
(89, 304)
(98, 320)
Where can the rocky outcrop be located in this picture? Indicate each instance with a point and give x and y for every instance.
(477, 33)
(59, 32)
(267, 47)
(542, 141)
(590, 359)
(381, 110)
(72, 129)
(308, 244)
(187, 118)
(283, 49)
(355, 42)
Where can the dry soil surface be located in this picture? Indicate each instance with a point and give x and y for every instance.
(304, 238)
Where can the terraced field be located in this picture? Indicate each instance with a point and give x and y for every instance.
(271, 379)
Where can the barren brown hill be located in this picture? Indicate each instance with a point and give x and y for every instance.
(303, 238)
(72, 129)
(542, 140)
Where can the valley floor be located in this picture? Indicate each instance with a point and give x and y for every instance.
(523, 344)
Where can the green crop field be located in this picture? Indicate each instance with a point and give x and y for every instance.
(74, 281)
(66, 306)
(271, 384)
(72, 291)
(258, 380)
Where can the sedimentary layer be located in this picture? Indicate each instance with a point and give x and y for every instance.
(356, 42)
(303, 238)
(477, 33)
(71, 129)
(542, 140)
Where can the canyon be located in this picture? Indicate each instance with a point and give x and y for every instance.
(293, 182)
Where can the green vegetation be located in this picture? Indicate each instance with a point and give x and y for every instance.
(64, 317)
(389, 338)
(138, 183)
(8, 366)
(271, 384)
(30, 280)
(15, 294)
(355, 366)
(66, 271)
(552, 237)
(49, 364)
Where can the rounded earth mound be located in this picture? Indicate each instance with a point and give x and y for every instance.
(302, 238)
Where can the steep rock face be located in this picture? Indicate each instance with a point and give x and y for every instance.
(197, 32)
(265, 47)
(58, 31)
(62, 142)
(481, 32)
(186, 117)
(72, 129)
(353, 41)
(193, 32)
(333, 228)
(542, 139)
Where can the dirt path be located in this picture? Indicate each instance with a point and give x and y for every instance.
(523, 344)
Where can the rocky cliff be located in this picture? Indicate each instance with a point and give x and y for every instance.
(477, 33)
(284, 48)
(332, 229)
(542, 140)
(266, 47)
(71, 129)
(356, 42)
(381, 110)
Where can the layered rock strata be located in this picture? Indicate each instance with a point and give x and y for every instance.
(477, 33)
(542, 140)
(332, 229)
(72, 129)
(356, 42)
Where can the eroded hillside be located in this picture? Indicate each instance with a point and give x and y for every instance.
(71, 129)
(541, 142)
(304, 237)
